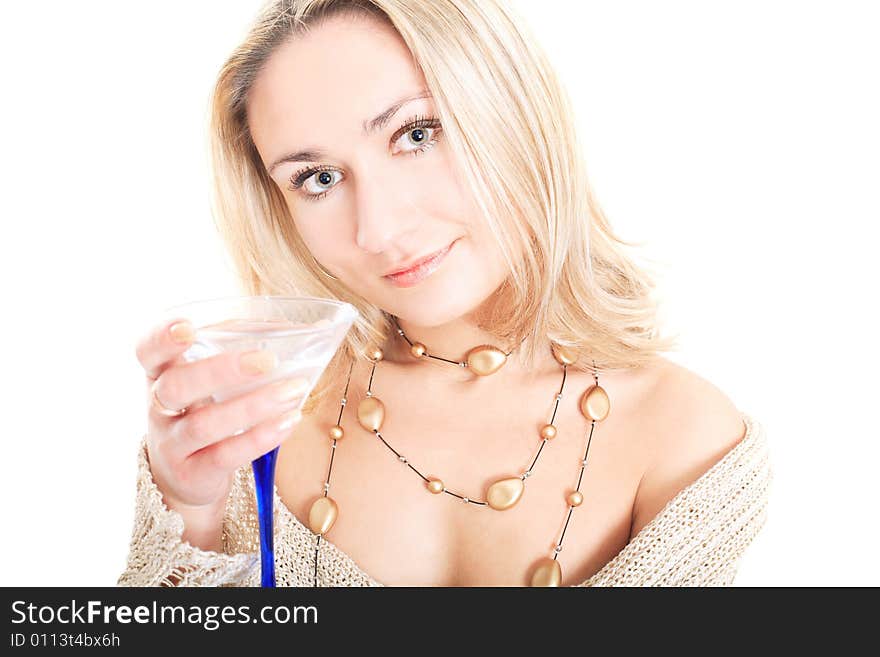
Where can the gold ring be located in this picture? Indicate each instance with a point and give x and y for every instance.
(161, 408)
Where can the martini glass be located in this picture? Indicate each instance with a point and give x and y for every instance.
(303, 332)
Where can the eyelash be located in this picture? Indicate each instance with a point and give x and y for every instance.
(418, 121)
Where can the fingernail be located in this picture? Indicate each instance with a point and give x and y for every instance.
(182, 332)
(289, 419)
(258, 362)
(291, 388)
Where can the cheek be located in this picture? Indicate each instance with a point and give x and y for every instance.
(486, 256)
(319, 243)
(482, 251)
(483, 256)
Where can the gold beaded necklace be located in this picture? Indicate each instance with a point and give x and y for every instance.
(482, 360)
(501, 495)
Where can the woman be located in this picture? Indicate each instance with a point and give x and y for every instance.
(350, 141)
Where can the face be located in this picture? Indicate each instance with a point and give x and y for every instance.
(341, 122)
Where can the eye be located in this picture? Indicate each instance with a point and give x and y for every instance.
(320, 182)
(315, 181)
(420, 132)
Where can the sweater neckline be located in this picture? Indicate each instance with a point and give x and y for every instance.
(751, 434)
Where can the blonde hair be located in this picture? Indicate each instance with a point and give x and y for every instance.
(510, 127)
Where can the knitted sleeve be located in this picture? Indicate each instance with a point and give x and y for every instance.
(699, 537)
(158, 556)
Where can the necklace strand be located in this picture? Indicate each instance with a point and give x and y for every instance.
(473, 358)
(501, 495)
(548, 429)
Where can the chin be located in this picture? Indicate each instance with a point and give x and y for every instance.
(439, 305)
(430, 310)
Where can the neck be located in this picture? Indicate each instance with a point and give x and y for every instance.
(452, 341)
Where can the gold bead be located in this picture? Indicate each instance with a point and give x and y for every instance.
(548, 573)
(504, 493)
(485, 359)
(336, 432)
(375, 354)
(575, 498)
(322, 515)
(595, 404)
(371, 413)
(548, 431)
(418, 349)
(435, 485)
(563, 355)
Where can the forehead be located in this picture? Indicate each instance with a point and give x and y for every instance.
(335, 76)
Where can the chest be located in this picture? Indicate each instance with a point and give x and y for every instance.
(402, 534)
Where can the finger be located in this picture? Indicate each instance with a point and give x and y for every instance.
(236, 451)
(164, 421)
(159, 347)
(214, 422)
(184, 383)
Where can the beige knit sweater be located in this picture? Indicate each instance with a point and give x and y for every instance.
(697, 539)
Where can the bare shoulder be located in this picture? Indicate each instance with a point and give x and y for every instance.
(696, 425)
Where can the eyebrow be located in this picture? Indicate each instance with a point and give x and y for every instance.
(369, 127)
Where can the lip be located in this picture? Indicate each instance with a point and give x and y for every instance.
(421, 270)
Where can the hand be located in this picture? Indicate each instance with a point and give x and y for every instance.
(194, 456)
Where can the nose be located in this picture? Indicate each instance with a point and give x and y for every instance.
(384, 214)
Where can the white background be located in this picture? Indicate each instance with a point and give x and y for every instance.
(739, 140)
